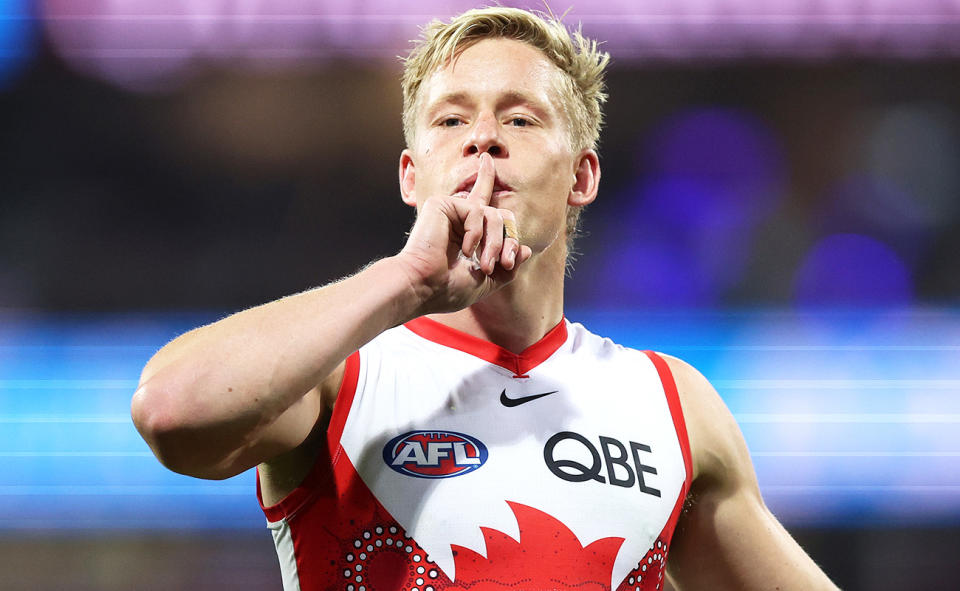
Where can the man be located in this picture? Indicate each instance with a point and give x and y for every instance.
(434, 422)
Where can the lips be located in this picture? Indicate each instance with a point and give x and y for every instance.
(464, 188)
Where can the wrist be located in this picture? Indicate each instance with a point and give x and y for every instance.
(414, 292)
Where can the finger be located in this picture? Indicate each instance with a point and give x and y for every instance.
(523, 254)
(472, 231)
(483, 189)
(492, 240)
(511, 240)
(502, 276)
(509, 226)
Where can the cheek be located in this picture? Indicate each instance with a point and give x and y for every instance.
(557, 182)
(551, 202)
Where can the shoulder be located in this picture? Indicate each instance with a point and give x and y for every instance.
(726, 536)
(581, 340)
(718, 451)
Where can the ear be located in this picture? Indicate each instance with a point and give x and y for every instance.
(586, 179)
(408, 179)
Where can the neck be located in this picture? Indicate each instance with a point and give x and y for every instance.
(521, 313)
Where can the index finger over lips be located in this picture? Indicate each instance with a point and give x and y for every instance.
(483, 188)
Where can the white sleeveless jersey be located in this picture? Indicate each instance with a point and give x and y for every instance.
(453, 464)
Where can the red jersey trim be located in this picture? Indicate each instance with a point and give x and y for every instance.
(310, 486)
(519, 364)
(676, 411)
(343, 404)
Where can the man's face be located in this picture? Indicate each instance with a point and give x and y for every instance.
(499, 96)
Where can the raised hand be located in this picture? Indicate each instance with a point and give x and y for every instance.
(459, 251)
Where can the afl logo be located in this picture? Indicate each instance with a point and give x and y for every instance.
(434, 454)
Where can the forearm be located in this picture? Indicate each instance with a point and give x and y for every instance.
(220, 384)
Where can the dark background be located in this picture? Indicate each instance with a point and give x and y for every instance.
(236, 187)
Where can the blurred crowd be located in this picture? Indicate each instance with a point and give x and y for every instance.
(205, 155)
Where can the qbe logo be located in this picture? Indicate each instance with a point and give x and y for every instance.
(566, 462)
(434, 454)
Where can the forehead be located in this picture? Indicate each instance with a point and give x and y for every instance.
(492, 68)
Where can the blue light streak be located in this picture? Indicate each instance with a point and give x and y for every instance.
(851, 416)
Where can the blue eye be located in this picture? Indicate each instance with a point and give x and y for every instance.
(519, 122)
(451, 122)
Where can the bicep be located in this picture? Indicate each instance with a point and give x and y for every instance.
(732, 541)
(290, 429)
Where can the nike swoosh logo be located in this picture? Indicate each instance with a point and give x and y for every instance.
(511, 402)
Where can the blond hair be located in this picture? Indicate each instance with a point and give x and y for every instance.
(582, 88)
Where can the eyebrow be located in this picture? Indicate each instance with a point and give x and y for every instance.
(508, 99)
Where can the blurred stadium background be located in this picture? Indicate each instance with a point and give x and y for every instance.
(780, 206)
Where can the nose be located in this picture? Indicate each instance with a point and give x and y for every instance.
(485, 137)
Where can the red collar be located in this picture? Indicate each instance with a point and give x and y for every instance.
(519, 364)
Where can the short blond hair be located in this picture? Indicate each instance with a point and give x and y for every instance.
(577, 57)
(582, 86)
